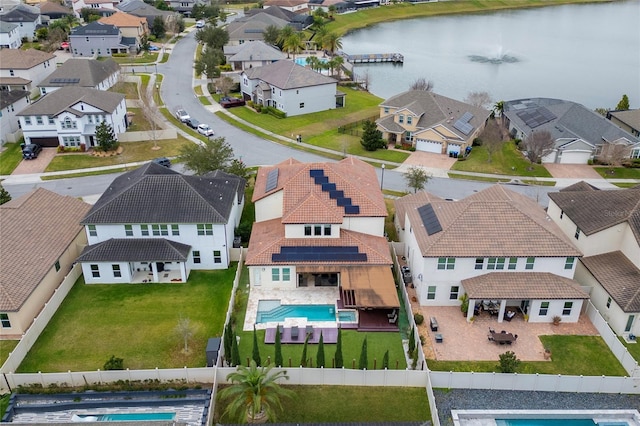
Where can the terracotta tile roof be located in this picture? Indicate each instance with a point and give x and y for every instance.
(618, 276)
(19, 59)
(268, 237)
(522, 285)
(493, 222)
(36, 229)
(593, 211)
(413, 201)
(302, 198)
(122, 19)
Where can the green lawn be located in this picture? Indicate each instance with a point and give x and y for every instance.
(633, 348)
(6, 346)
(138, 121)
(508, 161)
(129, 89)
(144, 58)
(135, 322)
(10, 157)
(618, 172)
(339, 404)
(570, 355)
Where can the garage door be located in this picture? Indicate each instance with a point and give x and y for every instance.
(429, 146)
(453, 148)
(575, 157)
(46, 142)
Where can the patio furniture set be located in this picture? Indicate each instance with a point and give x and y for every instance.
(502, 338)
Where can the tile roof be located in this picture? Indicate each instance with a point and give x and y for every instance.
(630, 117)
(95, 29)
(618, 276)
(135, 250)
(90, 72)
(595, 210)
(19, 14)
(522, 285)
(256, 51)
(140, 8)
(64, 98)
(37, 229)
(14, 81)
(252, 27)
(305, 202)
(19, 59)
(285, 3)
(285, 74)
(493, 222)
(580, 186)
(5, 28)
(122, 19)
(48, 7)
(156, 194)
(8, 98)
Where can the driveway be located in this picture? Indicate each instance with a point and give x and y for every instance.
(37, 165)
(434, 164)
(572, 171)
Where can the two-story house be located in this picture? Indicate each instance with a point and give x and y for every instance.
(496, 246)
(319, 235)
(129, 25)
(98, 39)
(605, 226)
(11, 102)
(68, 117)
(9, 36)
(105, 7)
(431, 122)
(27, 18)
(100, 75)
(147, 11)
(252, 54)
(251, 28)
(291, 88)
(26, 68)
(155, 225)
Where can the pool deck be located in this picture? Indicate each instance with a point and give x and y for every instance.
(329, 335)
(488, 417)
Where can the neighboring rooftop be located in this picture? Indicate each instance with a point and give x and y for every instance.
(53, 8)
(254, 51)
(618, 276)
(122, 19)
(285, 74)
(65, 98)
(10, 97)
(20, 13)
(95, 29)
(81, 72)
(19, 59)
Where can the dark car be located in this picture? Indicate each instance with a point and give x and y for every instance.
(230, 102)
(31, 151)
(193, 123)
(163, 161)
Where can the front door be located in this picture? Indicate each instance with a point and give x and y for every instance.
(629, 323)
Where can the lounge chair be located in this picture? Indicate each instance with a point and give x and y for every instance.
(393, 319)
(294, 332)
(391, 314)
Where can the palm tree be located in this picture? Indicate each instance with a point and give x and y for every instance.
(498, 108)
(332, 42)
(284, 34)
(319, 36)
(293, 44)
(313, 62)
(254, 393)
(336, 64)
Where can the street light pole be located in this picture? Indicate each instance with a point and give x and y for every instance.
(382, 178)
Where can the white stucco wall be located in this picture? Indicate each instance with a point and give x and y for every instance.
(269, 207)
(261, 276)
(314, 98)
(297, 231)
(366, 225)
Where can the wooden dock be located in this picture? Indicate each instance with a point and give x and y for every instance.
(369, 58)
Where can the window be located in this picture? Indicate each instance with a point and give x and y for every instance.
(205, 229)
(567, 308)
(68, 124)
(4, 319)
(307, 230)
(568, 264)
(544, 308)
(175, 230)
(513, 263)
(479, 262)
(196, 256)
(400, 118)
(496, 263)
(27, 120)
(530, 262)
(11, 73)
(327, 230)
(286, 274)
(116, 271)
(577, 234)
(453, 294)
(128, 230)
(408, 136)
(431, 292)
(95, 271)
(144, 230)
(608, 302)
(217, 256)
(51, 120)
(386, 110)
(301, 105)
(71, 141)
(317, 229)
(446, 262)
(92, 230)
(409, 119)
(158, 230)
(275, 274)
(561, 214)
(39, 121)
(57, 265)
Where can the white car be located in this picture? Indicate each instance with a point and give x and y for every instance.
(182, 115)
(200, 24)
(204, 129)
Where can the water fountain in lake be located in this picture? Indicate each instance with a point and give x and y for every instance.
(497, 57)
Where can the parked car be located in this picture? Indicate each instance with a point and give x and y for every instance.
(200, 23)
(153, 48)
(230, 102)
(163, 161)
(182, 115)
(193, 123)
(204, 129)
(31, 151)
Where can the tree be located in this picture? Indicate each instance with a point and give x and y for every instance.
(336, 64)
(339, 361)
(114, 363)
(509, 362)
(144, 43)
(5, 197)
(614, 153)
(161, 5)
(363, 363)
(313, 62)
(254, 393)
(207, 156)
(228, 335)
(157, 28)
(151, 113)
(416, 178)
(105, 137)
(538, 144)
(623, 105)
(278, 356)
(89, 15)
(479, 99)
(385, 360)
(412, 341)
(422, 84)
(320, 356)
(213, 37)
(491, 138)
(209, 62)
(303, 358)
(224, 85)
(185, 330)
(238, 168)
(255, 353)
(235, 351)
(271, 34)
(364, 79)
(293, 44)
(42, 33)
(332, 11)
(498, 109)
(284, 33)
(332, 42)
(371, 137)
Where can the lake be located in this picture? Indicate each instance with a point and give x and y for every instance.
(588, 53)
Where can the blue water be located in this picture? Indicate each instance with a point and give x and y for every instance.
(347, 316)
(545, 422)
(303, 61)
(267, 312)
(129, 417)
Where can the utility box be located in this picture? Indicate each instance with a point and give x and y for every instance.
(213, 348)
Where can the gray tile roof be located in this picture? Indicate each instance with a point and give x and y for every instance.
(51, 8)
(156, 194)
(19, 59)
(522, 285)
(8, 98)
(580, 186)
(62, 99)
(142, 9)
(95, 29)
(19, 14)
(630, 117)
(90, 72)
(135, 250)
(256, 51)
(286, 74)
(618, 276)
(252, 27)
(6, 28)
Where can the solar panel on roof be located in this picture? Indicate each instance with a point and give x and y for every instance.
(344, 201)
(65, 80)
(464, 127)
(326, 187)
(336, 194)
(535, 117)
(352, 209)
(429, 219)
(272, 180)
(321, 179)
(316, 172)
(466, 117)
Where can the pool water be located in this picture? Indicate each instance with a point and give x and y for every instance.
(545, 422)
(273, 311)
(125, 417)
(347, 316)
(303, 61)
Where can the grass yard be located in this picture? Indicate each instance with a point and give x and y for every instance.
(138, 121)
(633, 348)
(10, 157)
(6, 346)
(478, 178)
(508, 161)
(618, 172)
(135, 322)
(85, 174)
(144, 58)
(389, 227)
(128, 89)
(133, 152)
(340, 404)
(570, 355)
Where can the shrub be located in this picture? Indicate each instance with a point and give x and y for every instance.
(422, 340)
(225, 67)
(477, 142)
(114, 363)
(418, 318)
(60, 148)
(120, 55)
(509, 362)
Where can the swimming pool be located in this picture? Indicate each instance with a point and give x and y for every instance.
(274, 311)
(123, 417)
(545, 422)
(303, 61)
(347, 316)
(545, 417)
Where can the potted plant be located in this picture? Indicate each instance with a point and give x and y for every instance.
(464, 306)
(556, 320)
